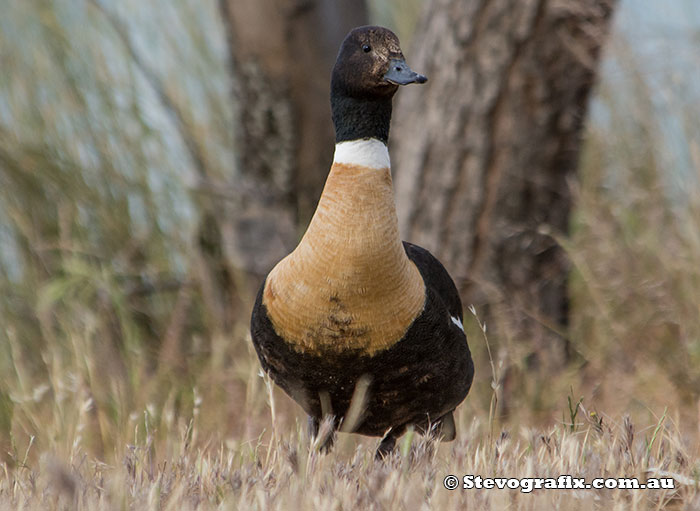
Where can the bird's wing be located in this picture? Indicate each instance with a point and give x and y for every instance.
(436, 277)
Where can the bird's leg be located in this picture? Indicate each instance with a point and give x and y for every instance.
(445, 428)
(386, 446)
(442, 429)
(322, 432)
(313, 426)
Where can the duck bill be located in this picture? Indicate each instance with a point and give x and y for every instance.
(400, 74)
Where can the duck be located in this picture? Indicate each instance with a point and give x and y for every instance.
(356, 325)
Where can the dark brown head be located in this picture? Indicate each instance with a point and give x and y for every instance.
(370, 63)
(368, 71)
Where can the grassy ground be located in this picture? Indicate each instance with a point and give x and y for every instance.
(237, 444)
(122, 387)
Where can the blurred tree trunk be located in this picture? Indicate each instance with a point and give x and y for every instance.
(485, 154)
(282, 53)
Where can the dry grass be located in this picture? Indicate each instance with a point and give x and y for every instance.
(120, 388)
(169, 458)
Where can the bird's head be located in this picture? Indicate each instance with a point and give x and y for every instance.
(370, 64)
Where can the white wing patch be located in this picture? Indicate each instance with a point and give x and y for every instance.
(368, 152)
(457, 322)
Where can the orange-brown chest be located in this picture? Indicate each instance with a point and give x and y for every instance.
(349, 284)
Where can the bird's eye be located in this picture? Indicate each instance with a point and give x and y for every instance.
(366, 48)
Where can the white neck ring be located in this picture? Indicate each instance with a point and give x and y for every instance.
(368, 152)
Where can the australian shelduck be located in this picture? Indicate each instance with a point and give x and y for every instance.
(353, 303)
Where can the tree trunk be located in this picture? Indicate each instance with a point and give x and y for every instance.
(484, 154)
(282, 53)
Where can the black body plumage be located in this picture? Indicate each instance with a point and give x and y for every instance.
(423, 377)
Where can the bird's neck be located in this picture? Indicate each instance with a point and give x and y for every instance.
(360, 118)
(356, 216)
(351, 259)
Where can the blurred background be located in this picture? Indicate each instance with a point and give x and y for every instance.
(157, 158)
